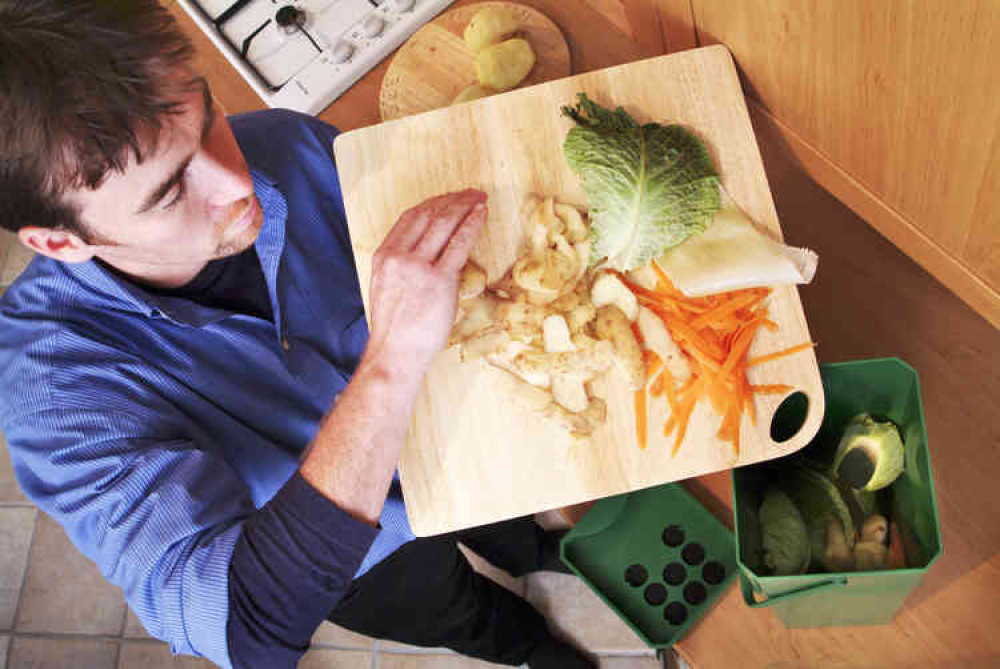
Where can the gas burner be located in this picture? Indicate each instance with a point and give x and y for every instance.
(303, 54)
(290, 18)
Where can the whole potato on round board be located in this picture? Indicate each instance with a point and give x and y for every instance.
(490, 26)
(503, 66)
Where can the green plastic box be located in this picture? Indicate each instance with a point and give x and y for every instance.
(657, 541)
(884, 388)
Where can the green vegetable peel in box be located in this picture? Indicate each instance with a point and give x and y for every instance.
(654, 193)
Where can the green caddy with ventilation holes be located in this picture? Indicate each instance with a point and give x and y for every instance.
(622, 549)
(886, 388)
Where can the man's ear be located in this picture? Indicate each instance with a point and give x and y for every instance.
(59, 244)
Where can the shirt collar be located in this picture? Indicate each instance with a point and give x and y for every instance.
(270, 245)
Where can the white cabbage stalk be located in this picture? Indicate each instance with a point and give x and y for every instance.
(732, 254)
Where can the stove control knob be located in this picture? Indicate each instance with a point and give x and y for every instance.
(372, 26)
(402, 5)
(340, 52)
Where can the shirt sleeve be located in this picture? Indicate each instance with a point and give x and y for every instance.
(163, 521)
(292, 563)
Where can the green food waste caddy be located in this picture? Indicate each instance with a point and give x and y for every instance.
(888, 388)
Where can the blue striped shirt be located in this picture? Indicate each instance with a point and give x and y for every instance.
(152, 428)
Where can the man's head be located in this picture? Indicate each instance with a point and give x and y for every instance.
(110, 144)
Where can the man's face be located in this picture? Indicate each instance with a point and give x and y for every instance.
(189, 201)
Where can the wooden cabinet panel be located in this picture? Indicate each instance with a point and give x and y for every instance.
(902, 96)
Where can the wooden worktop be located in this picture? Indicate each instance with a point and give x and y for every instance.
(868, 300)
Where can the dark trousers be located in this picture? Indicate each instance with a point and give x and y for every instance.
(427, 594)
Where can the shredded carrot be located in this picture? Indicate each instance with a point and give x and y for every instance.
(668, 384)
(749, 299)
(662, 276)
(653, 363)
(640, 417)
(656, 389)
(686, 402)
(780, 354)
(771, 388)
(716, 333)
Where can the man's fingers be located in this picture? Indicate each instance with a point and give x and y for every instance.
(444, 222)
(408, 229)
(456, 251)
(413, 223)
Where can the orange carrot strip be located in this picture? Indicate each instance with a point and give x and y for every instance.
(771, 388)
(662, 301)
(780, 354)
(653, 363)
(727, 308)
(656, 389)
(681, 329)
(634, 287)
(669, 387)
(746, 396)
(640, 418)
(686, 402)
(669, 426)
(685, 415)
(740, 346)
(664, 280)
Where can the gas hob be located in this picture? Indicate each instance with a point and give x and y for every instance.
(303, 54)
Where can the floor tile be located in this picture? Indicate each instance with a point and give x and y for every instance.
(336, 659)
(630, 662)
(156, 655)
(16, 526)
(18, 257)
(134, 628)
(406, 648)
(578, 615)
(10, 492)
(426, 661)
(35, 653)
(64, 591)
(329, 634)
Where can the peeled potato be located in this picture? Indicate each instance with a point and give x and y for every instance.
(489, 26)
(503, 66)
(473, 92)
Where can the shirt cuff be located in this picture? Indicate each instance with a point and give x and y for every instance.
(299, 498)
(293, 563)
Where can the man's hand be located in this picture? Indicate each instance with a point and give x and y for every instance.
(414, 293)
(414, 288)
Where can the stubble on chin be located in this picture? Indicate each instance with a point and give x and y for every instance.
(241, 241)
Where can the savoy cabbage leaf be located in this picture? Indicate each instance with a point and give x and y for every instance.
(649, 187)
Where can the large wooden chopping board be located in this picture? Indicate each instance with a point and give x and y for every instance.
(473, 455)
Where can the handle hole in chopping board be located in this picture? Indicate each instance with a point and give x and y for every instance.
(790, 417)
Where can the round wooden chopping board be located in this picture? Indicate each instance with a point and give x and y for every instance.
(434, 65)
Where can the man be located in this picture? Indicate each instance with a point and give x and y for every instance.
(187, 381)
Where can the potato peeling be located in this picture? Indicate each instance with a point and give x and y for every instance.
(551, 322)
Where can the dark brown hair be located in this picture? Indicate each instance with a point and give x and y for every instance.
(84, 86)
